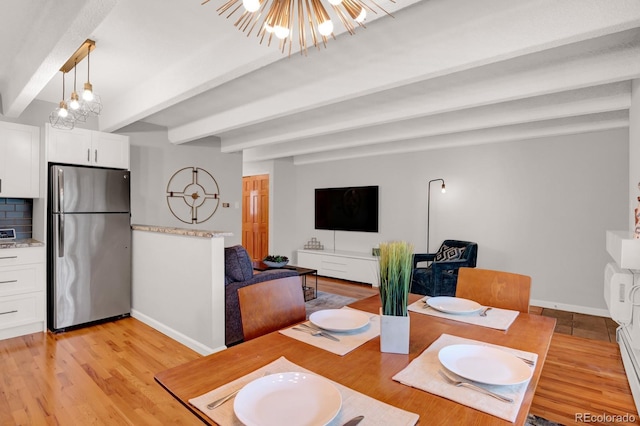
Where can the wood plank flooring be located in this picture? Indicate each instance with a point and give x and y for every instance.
(103, 375)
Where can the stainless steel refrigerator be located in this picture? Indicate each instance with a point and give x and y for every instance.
(89, 246)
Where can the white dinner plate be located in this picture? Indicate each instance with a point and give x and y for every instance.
(485, 364)
(288, 398)
(454, 305)
(339, 319)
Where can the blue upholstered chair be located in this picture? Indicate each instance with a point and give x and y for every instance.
(238, 273)
(440, 277)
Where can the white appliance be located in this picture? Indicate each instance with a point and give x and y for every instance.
(621, 285)
(618, 284)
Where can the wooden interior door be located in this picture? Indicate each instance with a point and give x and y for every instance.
(255, 215)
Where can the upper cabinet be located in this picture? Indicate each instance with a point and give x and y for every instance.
(87, 148)
(19, 161)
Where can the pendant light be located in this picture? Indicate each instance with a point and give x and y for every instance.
(60, 118)
(307, 20)
(90, 98)
(77, 107)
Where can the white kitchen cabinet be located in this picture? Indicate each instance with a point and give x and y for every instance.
(22, 291)
(87, 148)
(19, 161)
(346, 265)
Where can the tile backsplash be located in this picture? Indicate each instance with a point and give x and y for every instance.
(17, 213)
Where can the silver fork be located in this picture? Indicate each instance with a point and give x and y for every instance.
(483, 313)
(308, 330)
(474, 387)
(526, 360)
(220, 401)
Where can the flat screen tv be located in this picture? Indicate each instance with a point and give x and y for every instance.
(347, 209)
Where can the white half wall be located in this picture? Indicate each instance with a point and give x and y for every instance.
(154, 160)
(634, 151)
(538, 207)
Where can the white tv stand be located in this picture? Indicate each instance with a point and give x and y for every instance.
(346, 265)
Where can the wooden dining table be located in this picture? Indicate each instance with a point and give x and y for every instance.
(366, 369)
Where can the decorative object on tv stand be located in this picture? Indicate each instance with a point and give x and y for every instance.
(313, 244)
(275, 261)
(443, 189)
(396, 267)
(76, 108)
(193, 195)
(283, 18)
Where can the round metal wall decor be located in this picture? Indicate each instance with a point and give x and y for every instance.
(193, 195)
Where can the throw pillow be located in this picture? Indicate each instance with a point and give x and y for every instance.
(446, 253)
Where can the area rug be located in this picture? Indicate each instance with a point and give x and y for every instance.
(327, 301)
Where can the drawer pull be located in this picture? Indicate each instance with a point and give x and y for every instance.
(9, 257)
(9, 312)
(7, 282)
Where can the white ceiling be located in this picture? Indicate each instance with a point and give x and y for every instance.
(440, 73)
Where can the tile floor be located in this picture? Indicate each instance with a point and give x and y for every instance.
(581, 325)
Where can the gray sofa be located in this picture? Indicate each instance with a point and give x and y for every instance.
(238, 273)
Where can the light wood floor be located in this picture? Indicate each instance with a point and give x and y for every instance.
(104, 375)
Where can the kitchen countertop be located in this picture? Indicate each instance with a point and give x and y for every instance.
(182, 231)
(29, 242)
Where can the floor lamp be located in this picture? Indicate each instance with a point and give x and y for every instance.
(429, 205)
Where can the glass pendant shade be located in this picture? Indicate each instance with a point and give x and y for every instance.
(92, 103)
(77, 106)
(60, 118)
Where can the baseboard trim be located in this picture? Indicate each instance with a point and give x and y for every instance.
(571, 308)
(175, 335)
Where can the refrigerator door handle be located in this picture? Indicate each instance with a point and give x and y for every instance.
(60, 235)
(60, 190)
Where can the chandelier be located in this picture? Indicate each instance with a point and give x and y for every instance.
(76, 108)
(308, 18)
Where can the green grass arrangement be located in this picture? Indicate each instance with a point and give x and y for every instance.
(396, 269)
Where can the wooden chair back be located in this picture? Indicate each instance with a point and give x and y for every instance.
(498, 289)
(271, 305)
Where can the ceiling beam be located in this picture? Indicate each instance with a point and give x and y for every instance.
(551, 128)
(608, 98)
(452, 93)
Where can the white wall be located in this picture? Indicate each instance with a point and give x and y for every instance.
(154, 160)
(537, 207)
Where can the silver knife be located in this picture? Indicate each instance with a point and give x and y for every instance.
(354, 421)
(321, 332)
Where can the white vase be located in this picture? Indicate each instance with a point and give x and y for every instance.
(394, 334)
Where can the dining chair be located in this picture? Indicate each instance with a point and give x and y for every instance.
(271, 305)
(497, 289)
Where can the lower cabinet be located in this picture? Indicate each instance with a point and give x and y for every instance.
(346, 265)
(22, 291)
